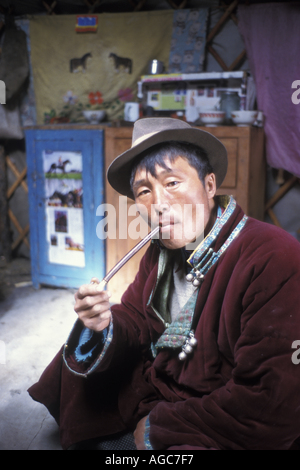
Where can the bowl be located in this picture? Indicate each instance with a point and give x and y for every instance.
(243, 118)
(212, 117)
(94, 117)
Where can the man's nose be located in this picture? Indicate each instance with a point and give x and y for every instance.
(160, 203)
(161, 208)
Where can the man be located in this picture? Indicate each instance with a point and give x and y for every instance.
(198, 355)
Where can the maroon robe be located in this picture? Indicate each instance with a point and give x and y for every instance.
(239, 389)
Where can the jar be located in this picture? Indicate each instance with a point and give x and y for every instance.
(230, 101)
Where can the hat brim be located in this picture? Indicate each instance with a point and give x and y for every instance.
(119, 172)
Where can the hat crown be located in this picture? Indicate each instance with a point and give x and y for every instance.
(146, 127)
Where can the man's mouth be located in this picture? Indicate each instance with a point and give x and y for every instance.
(166, 226)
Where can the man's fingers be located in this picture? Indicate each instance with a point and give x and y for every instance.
(87, 289)
(98, 323)
(96, 318)
(93, 307)
(94, 311)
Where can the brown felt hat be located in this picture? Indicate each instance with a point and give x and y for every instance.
(151, 131)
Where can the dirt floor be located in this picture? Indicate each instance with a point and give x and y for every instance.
(33, 326)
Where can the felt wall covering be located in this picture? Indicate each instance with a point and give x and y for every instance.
(271, 35)
(75, 71)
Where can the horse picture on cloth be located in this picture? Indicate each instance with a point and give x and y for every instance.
(108, 61)
(76, 64)
(123, 62)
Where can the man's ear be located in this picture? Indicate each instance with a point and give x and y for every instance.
(210, 185)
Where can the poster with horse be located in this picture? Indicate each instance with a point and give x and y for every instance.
(64, 207)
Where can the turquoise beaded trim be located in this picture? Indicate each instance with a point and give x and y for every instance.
(214, 233)
(212, 256)
(107, 343)
(175, 335)
(147, 435)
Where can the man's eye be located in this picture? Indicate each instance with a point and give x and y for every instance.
(172, 183)
(143, 193)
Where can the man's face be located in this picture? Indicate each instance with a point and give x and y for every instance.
(170, 200)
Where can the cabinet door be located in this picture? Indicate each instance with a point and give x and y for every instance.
(66, 185)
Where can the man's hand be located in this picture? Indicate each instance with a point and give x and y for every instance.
(139, 435)
(92, 306)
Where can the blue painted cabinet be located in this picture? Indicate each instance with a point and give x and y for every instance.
(66, 185)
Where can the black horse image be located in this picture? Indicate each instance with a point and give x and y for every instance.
(75, 64)
(70, 199)
(60, 166)
(121, 62)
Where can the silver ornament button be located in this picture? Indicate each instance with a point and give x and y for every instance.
(182, 356)
(188, 349)
(193, 342)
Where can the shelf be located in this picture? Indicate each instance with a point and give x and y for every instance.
(177, 77)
